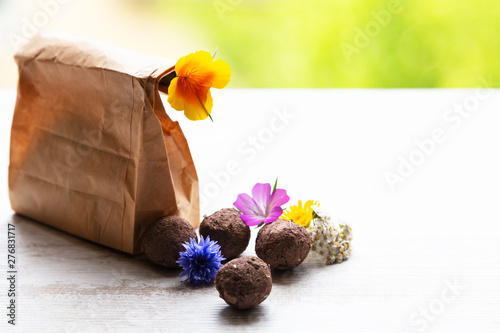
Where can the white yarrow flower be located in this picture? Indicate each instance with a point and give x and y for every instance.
(330, 239)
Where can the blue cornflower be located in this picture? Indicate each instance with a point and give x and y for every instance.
(200, 261)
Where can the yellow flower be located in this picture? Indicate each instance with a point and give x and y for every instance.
(190, 90)
(299, 214)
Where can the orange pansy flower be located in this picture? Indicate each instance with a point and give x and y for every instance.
(190, 90)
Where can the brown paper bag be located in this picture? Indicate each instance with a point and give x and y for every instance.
(92, 151)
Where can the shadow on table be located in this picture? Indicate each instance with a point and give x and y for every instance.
(295, 276)
(289, 283)
(244, 318)
(40, 240)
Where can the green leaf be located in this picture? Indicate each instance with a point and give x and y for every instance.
(275, 185)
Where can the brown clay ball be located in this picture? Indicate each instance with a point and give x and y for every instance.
(228, 229)
(283, 244)
(244, 282)
(162, 241)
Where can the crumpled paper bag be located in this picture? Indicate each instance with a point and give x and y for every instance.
(92, 150)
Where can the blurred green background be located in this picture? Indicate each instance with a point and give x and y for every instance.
(317, 44)
(287, 43)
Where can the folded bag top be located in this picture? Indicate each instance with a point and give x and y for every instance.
(92, 150)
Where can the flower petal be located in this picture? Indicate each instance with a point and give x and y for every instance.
(221, 74)
(197, 108)
(274, 214)
(208, 73)
(300, 205)
(175, 96)
(261, 193)
(252, 220)
(189, 65)
(246, 204)
(279, 198)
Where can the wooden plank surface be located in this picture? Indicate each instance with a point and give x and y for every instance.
(425, 257)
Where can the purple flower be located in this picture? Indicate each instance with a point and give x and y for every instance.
(200, 261)
(265, 206)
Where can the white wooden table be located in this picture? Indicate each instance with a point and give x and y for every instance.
(426, 254)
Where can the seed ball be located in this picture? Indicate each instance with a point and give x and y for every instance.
(162, 241)
(228, 229)
(244, 282)
(283, 244)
